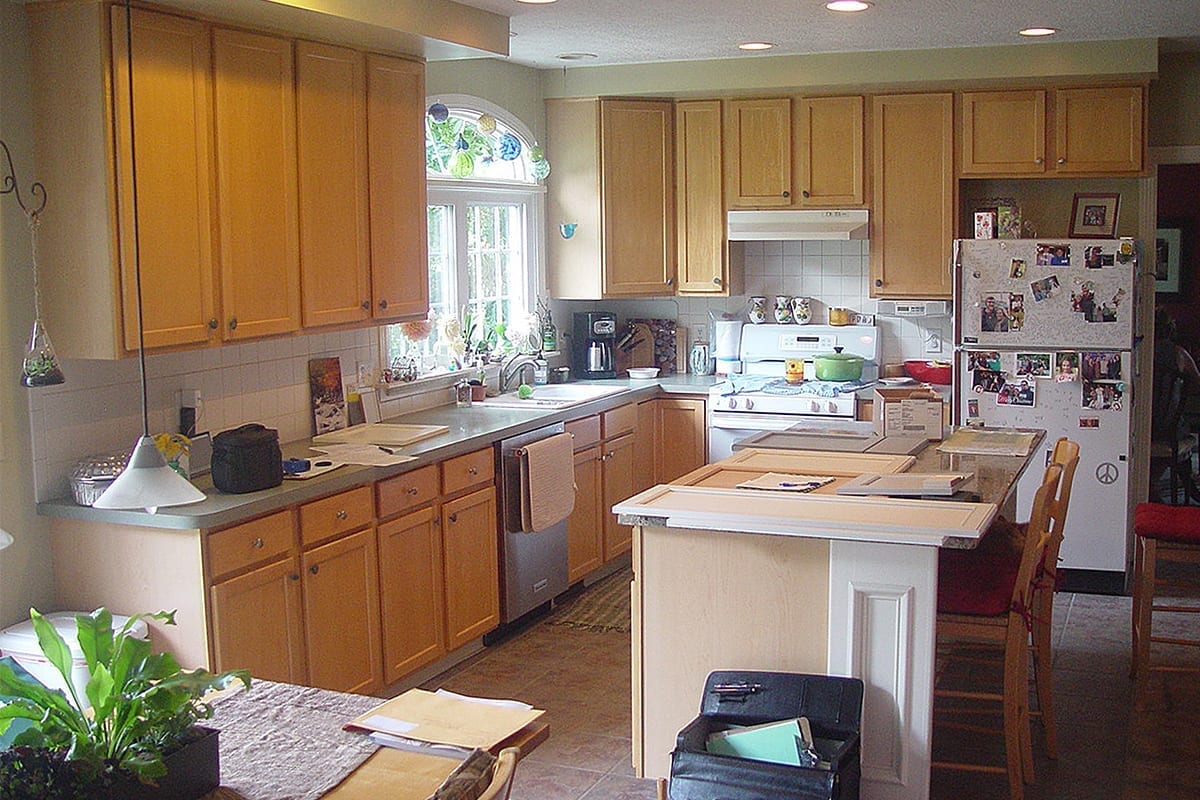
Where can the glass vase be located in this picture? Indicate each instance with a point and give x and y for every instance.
(40, 367)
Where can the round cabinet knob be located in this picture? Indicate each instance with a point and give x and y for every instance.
(341, 514)
(612, 454)
(1062, 161)
(366, 304)
(670, 281)
(294, 577)
(879, 282)
(749, 404)
(383, 303)
(787, 193)
(213, 324)
(454, 517)
(805, 193)
(717, 281)
(1039, 160)
(314, 569)
(473, 471)
(232, 323)
(412, 490)
(257, 544)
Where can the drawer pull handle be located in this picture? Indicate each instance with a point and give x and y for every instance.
(233, 323)
(383, 303)
(412, 490)
(257, 544)
(787, 193)
(212, 323)
(314, 569)
(473, 471)
(1062, 161)
(454, 517)
(294, 577)
(342, 514)
(366, 304)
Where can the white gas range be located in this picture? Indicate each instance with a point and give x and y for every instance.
(760, 399)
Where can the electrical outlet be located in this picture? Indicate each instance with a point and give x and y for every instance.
(933, 341)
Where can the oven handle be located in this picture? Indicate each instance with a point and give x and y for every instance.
(734, 421)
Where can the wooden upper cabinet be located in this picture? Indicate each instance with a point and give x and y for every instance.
(331, 144)
(1003, 133)
(396, 165)
(912, 223)
(758, 152)
(174, 157)
(1099, 130)
(638, 190)
(701, 261)
(828, 150)
(256, 183)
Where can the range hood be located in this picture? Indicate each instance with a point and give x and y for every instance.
(792, 225)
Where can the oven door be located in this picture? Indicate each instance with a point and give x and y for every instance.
(727, 427)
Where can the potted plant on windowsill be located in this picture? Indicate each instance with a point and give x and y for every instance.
(139, 728)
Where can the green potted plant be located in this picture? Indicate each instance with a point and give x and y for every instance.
(141, 714)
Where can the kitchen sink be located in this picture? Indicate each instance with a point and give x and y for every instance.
(558, 395)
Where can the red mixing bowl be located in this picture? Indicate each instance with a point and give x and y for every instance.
(929, 371)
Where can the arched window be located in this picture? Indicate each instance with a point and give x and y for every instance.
(485, 214)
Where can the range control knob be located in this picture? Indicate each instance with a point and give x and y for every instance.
(814, 406)
(732, 402)
(749, 404)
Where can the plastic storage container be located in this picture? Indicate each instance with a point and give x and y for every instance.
(20, 643)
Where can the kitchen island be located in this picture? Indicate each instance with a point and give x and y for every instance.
(728, 578)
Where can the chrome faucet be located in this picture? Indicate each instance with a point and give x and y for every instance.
(512, 368)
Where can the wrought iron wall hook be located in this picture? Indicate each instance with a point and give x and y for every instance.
(11, 185)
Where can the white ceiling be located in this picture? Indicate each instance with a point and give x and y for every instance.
(638, 31)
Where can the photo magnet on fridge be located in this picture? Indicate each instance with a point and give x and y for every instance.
(993, 313)
(984, 359)
(1067, 370)
(1017, 269)
(1045, 288)
(1100, 366)
(1033, 365)
(1103, 395)
(1096, 257)
(1053, 255)
(1021, 392)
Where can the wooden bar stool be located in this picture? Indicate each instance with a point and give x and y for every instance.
(1162, 533)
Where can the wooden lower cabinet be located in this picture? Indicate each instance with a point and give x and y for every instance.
(341, 614)
(585, 528)
(618, 486)
(646, 446)
(411, 592)
(681, 436)
(471, 566)
(257, 625)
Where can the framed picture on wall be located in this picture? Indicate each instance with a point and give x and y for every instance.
(1094, 216)
(1170, 266)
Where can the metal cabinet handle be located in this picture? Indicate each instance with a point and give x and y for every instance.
(717, 281)
(1062, 161)
(232, 323)
(341, 514)
(383, 303)
(473, 471)
(412, 490)
(786, 193)
(805, 193)
(1039, 160)
(612, 454)
(257, 544)
(314, 569)
(879, 282)
(294, 577)
(670, 281)
(366, 304)
(454, 517)
(212, 323)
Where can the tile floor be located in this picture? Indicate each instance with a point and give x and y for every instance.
(1114, 742)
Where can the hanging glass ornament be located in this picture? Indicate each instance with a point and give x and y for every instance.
(40, 366)
(463, 165)
(462, 144)
(438, 112)
(510, 147)
(536, 154)
(486, 123)
(541, 170)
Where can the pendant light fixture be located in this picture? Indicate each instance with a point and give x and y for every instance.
(146, 482)
(40, 365)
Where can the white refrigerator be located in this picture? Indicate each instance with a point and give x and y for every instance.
(1043, 335)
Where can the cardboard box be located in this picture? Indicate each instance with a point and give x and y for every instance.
(908, 412)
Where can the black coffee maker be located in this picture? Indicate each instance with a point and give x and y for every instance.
(593, 345)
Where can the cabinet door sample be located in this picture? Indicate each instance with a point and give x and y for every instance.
(396, 164)
(256, 182)
(828, 134)
(410, 586)
(472, 566)
(758, 152)
(331, 142)
(257, 624)
(1099, 130)
(912, 223)
(1004, 133)
(585, 526)
(341, 614)
(700, 211)
(173, 159)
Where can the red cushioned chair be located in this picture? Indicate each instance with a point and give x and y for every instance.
(988, 600)
(1162, 533)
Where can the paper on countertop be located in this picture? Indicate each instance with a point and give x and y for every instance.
(487, 701)
(446, 719)
(319, 467)
(778, 481)
(906, 484)
(367, 455)
(417, 746)
(988, 443)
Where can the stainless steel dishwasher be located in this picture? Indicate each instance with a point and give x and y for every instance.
(534, 564)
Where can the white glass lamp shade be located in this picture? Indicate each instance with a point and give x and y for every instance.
(5, 539)
(147, 482)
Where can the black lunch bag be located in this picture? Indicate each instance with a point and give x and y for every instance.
(246, 459)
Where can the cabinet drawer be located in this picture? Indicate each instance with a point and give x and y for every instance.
(341, 513)
(618, 420)
(244, 545)
(472, 469)
(407, 491)
(586, 431)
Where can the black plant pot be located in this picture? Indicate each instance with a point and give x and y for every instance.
(193, 771)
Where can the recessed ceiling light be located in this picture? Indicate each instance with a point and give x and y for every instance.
(576, 56)
(1038, 31)
(848, 6)
(755, 46)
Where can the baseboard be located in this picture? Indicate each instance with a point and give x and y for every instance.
(1091, 581)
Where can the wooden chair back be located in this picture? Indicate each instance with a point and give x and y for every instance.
(502, 775)
(1065, 454)
(1037, 538)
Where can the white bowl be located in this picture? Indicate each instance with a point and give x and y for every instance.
(643, 373)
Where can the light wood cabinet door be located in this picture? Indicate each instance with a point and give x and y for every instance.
(618, 485)
(331, 144)
(681, 436)
(758, 152)
(701, 260)
(257, 623)
(585, 527)
(256, 183)
(396, 166)
(341, 614)
(646, 444)
(1099, 130)
(912, 222)
(1003, 133)
(828, 140)
(471, 566)
(411, 592)
(637, 184)
(173, 156)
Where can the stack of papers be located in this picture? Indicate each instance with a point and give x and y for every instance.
(367, 455)
(788, 741)
(777, 481)
(418, 719)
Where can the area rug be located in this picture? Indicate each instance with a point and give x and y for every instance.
(603, 606)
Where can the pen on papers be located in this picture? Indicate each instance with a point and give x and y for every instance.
(387, 450)
(790, 485)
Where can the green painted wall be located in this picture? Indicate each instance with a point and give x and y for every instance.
(1175, 101)
(510, 86)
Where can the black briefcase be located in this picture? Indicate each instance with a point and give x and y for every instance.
(247, 459)
(833, 707)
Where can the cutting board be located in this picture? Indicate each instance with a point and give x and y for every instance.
(382, 433)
